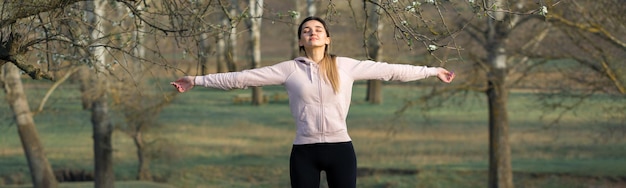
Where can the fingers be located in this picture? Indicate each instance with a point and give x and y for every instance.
(178, 87)
(183, 84)
(446, 76)
(450, 76)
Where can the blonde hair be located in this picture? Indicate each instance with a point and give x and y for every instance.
(328, 64)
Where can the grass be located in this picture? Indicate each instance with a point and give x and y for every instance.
(206, 141)
(125, 184)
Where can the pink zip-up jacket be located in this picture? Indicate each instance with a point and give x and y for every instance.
(320, 113)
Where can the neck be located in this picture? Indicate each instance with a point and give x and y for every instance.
(315, 54)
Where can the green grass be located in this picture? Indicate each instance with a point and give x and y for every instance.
(206, 141)
(124, 184)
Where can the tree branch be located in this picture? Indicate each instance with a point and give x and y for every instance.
(14, 53)
(595, 29)
(136, 12)
(53, 87)
(12, 10)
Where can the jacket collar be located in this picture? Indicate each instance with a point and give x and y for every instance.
(304, 60)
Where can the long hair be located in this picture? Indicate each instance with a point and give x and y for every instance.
(328, 64)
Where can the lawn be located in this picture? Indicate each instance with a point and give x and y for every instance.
(204, 140)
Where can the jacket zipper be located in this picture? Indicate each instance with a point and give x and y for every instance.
(321, 118)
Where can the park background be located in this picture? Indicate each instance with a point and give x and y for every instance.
(416, 137)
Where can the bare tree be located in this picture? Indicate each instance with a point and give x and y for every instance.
(140, 107)
(254, 23)
(220, 54)
(428, 24)
(42, 175)
(374, 51)
(500, 172)
(55, 31)
(295, 19)
(593, 34)
(597, 30)
(15, 40)
(514, 37)
(96, 89)
(233, 20)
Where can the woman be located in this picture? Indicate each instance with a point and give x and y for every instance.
(319, 86)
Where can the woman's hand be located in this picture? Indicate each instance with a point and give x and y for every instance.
(445, 75)
(184, 84)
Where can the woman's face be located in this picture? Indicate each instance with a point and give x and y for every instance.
(313, 35)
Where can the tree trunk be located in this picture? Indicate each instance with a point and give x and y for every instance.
(374, 50)
(203, 54)
(143, 169)
(221, 49)
(103, 149)
(311, 9)
(500, 172)
(374, 93)
(40, 170)
(140, 37)
(231, 54)
(222, 65)
(256, 11)
(97, 95)
(295, 19)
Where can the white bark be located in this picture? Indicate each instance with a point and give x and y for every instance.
(231, 54)
(97, 89)
(310, 7)
(256, 11)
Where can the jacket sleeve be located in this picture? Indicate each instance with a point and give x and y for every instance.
(371, 70)
(269, 75)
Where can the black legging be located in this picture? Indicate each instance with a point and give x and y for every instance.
(338, 160)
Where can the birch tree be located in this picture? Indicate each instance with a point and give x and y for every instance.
(254, 24)
(373, 47)
(311, 7)
(41, 171)
(96, 89)
(234, 18)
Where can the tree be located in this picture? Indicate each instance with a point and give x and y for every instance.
(433, 31)
(220, 58)
(59, 38)
(231, 53)
(500, 172)
(516, 37)
(96, 89)
(311, 8)
(374, 51)
(593, 28)
(295, 19)
(593, 33)
(254, 23)
(42, 175)
(140, 111)
(13, 49)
